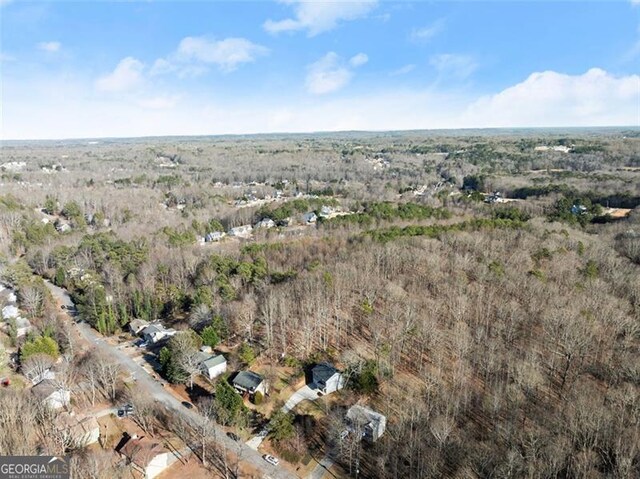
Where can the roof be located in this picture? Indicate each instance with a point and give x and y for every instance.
(153, 329)
(248, 380)
(210, 361)
(78, 424)
(142, 451)
(45, 388)
(138, 324)
(363, 415)
(322, 372)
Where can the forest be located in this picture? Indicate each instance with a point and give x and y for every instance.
(480, 290)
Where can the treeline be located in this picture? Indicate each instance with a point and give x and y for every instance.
(373, 212)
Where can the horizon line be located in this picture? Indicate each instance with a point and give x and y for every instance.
(323, 132)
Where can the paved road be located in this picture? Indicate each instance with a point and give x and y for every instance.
(155, 390)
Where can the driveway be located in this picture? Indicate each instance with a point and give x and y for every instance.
(154, 390)
(305, 393)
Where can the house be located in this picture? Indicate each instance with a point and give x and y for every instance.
(325, 378)
(266, 223)
(243, 231)
(214, 236)
(367, 422)
(23, 326)
(62, 227)
(37, 375)
(310, 218)
(81, 430)
(147, 456)
(495, 197)
(10, 311)
(53, 395)
(212, 365)
(156, 332)
(137, 325)
(327, 211)
(578, 209)
(249, 382)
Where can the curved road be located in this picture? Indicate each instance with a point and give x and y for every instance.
(157, 392)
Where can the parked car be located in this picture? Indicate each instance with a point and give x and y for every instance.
(344, 434)
(187, 404)
(233, 436)
(270, 459)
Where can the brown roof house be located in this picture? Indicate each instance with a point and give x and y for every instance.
(148, 456)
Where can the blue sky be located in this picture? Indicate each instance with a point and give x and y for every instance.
(94, 69)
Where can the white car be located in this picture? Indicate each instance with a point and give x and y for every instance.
(270, 459)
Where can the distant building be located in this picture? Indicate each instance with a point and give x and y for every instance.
(212, 365)
(266, 223)
(243, 231)
(325, 378)
(51, 394)
(370, 424)
(249, 382)
(578, 209)
(327, 211)
(214, 236)
(310, 218)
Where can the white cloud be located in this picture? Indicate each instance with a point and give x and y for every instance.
(50, 47)
(327, 75)
(403, 70)
(194, 54)
(358, 60)
(453, 65)
(595, 98)
(227, 54)
(425, 34)
(320, 16)
(5, 2)
(126, 76)
(4, 57)
(635, 2)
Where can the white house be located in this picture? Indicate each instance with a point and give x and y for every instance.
(10, 311)
(243, 231)
(53, 395)
(214, 236)
(325, 378)
(81, 430)
(156, 332)
(370, 424)
(147, 456)
(327, 211)
(310, 218)
(266, 223)
(212, 365)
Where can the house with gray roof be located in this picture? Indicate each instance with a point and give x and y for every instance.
(212, 365)
(156, 332)
(325, 378)
(249, 382)
(366, 422)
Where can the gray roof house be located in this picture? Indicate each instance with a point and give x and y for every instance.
(156, 332)
(249, 382)
(366, 422)
(243, 231)
(137, 325)
(325, 378)
(212, 365)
